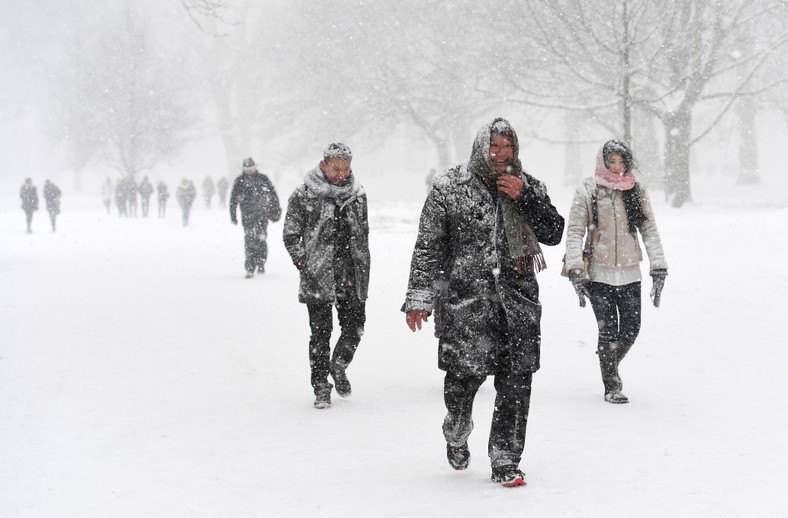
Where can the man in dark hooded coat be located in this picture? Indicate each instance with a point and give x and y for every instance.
(256, 195)
(474, 265)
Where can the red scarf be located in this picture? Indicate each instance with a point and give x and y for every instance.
(607, 178)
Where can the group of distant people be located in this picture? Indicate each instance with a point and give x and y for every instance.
(473, 269)
(125, 191)
(29, 195)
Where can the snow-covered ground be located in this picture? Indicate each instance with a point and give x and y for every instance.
(142, 375)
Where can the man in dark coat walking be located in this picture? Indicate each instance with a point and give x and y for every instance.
(52, 197)
(29, 196)
(326, 233)
(146, 190)
(256, 195)
(474, 266)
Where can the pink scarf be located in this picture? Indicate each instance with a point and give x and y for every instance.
(607, 178)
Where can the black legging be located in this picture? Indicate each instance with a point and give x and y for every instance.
(617, 311)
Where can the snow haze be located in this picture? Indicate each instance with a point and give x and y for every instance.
(142, 375)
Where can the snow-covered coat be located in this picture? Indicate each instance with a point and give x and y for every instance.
(614, 245)
(462, 254)
(309, 236)
(146, 189)
(29, 195)
(185, 195)
(257, 197)
(52, 196)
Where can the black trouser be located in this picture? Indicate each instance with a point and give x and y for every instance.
(255, 246)
(162, 208)
(352, 316)
(145, 202)
(29, 218)
(52, 217)
(617, 311)
(510, 417)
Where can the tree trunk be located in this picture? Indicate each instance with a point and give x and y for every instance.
(748, 142)
(645, 145)
(677, 151)
(572, 168)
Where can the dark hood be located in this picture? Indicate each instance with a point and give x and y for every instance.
(479, 162)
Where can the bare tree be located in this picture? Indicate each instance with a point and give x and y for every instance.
(123, 101)
(378, 69)
(662, 57)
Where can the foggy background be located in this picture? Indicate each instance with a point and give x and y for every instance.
(188, 88)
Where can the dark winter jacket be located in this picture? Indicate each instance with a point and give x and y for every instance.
(163, 192)
(29, 196)
(146, 189)
(462, 255)
(257, 197)
(52, 196)
(321, 234)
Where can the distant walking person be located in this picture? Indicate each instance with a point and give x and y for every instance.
(222, 186)
(131, 196)
(326, 233)
(208, 190)
(121, 198)
(185, 195)
(29, 196)
(613, 207)
(146, 190)
(259, 203)
(106, 193)
(162, 194)
(52, 197)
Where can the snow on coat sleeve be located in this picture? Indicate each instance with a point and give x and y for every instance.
(429, 255)
(293, 230)
(273, 208)
(539, 212)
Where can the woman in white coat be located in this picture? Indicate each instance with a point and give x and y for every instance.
(603, 256)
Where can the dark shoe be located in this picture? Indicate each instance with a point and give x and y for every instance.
(261, 268)
(323, 399)
(509, 476)
(341, 383)
(615, 396)
(249, 275)
(459, 456)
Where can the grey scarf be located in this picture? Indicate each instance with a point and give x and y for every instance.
(340, 194)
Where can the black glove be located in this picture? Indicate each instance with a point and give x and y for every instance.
(658, 277)
(234, 220)
(580, 284)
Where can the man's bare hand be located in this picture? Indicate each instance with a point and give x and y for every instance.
(415, 317)
(511, 185)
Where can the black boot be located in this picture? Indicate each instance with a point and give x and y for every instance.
(341, 383)
(608, 364)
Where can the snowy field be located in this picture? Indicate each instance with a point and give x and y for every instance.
(142, 376)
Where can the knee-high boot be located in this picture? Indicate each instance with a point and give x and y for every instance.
(608, 364)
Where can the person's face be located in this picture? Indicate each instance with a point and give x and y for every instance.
(501, 152)
(616, 163)
(335, 170)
